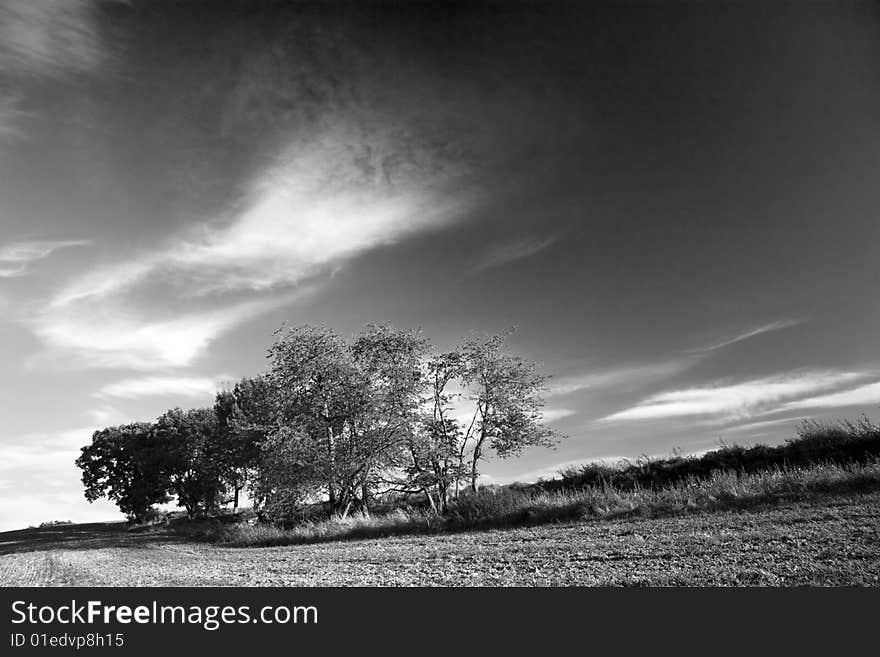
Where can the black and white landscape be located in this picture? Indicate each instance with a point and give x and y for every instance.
(453, 293)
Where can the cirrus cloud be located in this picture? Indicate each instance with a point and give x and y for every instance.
(735, 400)
(164, 386)
(508, 252)
(623, 376)
(96, 337)
(15, 257)
(328, 199)
(751, 333)
(866, 395)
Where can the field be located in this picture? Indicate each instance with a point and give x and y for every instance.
(830, 541)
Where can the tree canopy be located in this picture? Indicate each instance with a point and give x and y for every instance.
(332, 421)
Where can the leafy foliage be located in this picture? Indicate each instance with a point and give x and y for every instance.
(128, 465)
(336, 422)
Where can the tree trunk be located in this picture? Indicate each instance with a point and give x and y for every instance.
(365, 499)
(443, 495)
(430, 500)
(331, 456)
(331, 496)
(478, 453)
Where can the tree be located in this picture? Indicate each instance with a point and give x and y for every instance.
(194, 458)
(317, 389)
(245, 416)
(128, 465)
(434, 446)
(390, 361)
(332, 420)
(290, 475)
(506, 392)
(346, 409)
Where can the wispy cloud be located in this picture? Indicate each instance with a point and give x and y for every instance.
(40, 39)
(642, 373)
(96, 336)
(764, 424)
(164, 386)
(320, 206)
(11, 116)
(751, 333)
(507, 252)
(555, 470)
(12, 272)
(324, 203)
(107, 415)
(16, 256)
(35, 250)
(49, 37)
(865, 395)
(625, 376)
(738, 400)
(44, 462)
(556, 414)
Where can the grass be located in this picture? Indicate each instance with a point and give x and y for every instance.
(509, 507)
(823, 459)
(816, 442)
(813, 517)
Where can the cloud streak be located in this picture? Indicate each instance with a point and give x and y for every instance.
(104, 337)
(163, 386)
(337, 168)
(321, 205)
(328, 199)
(865, 395)
(763, 424)
(16, 257)
(508, 252)
(49, 37)
(556, 414)
(625, 376)
(760, 330)
(43, 39)
(44, 462)
(734, 401)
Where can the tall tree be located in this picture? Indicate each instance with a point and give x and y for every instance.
(434, 446)
(332, 420)
(195, 460)
(319, 391)
(347, 409)
(128, 465)
(390, 362)
(245, 416)
(506, 393)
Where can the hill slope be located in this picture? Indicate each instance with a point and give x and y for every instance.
(827, 542)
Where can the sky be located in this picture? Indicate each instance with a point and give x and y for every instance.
(675, 204)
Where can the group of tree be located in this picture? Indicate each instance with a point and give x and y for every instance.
(335, 421)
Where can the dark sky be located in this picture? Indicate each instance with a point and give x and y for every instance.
(675, 203)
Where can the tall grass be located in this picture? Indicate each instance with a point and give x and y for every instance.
(842, 457)
(506, 507)
(816, 442)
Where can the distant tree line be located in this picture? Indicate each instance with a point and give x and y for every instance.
(335, 421)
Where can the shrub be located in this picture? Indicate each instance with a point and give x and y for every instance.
(816, 442)
(822, 459)
(507, 507)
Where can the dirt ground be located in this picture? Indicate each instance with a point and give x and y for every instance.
(836, 542)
